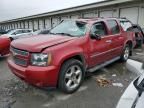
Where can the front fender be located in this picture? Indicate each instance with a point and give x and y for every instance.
(61, 56)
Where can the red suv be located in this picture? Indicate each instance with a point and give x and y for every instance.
(72, 48)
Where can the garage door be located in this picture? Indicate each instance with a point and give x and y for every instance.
(35, 25)
(130, 13)
(106, 13)
(30, 25)
(19, 25)
(64, 18)
(9, 27)
(16, 26)
(55, 22)
(74, 16)
(22, 25)
(141, 21)
(26, 24)
(88, 15)
(6, 27)
(47, 23)
(41, 24)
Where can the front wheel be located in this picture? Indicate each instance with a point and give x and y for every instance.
(126, 53)
(71, 76)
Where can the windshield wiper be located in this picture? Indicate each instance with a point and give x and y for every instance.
(64, 34)
(67, 34)
(52, 33)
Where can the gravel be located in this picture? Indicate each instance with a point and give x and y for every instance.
(10, 89)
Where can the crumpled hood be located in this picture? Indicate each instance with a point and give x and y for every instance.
(38, 43)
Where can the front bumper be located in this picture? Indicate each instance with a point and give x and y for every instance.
(37, 76)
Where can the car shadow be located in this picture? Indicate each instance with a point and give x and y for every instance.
(3, 58)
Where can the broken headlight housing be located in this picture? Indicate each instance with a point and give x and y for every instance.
(39, 59)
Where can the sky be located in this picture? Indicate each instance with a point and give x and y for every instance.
(11, 9)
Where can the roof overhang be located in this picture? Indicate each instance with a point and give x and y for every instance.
(72, 9)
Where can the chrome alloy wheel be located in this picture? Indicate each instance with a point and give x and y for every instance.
(126, 53)
(73, 77)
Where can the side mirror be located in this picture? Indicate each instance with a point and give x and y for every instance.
(95, 36)
(14, 34)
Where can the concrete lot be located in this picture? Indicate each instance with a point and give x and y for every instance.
(17, 94)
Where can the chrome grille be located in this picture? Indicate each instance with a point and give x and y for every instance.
(20, 57)
(19, 52)
(19, 61)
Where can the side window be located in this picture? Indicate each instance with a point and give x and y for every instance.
(99, 29)
(18, 32)
(113, 26)
(26, 31)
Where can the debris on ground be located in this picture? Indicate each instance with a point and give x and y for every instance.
(141, 54)
(114, 75)
(8, 91)
(102, 81)
(126, 80)
(117, 84)
(139, 50)
(14, 87)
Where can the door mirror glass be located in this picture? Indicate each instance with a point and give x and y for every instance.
(14, 33)
(95, 36)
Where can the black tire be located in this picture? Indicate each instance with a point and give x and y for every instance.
(62, 76)
(139, 40)
(126, 53)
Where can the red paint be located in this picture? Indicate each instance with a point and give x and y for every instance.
(64, 47)
(4, 45)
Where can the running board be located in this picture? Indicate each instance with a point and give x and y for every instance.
(103, 65)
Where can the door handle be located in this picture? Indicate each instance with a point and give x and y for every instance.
(121, 37)
(109, 41)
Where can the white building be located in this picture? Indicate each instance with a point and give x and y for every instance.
(131, 9)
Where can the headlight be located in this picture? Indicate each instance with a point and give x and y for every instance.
(40, 59)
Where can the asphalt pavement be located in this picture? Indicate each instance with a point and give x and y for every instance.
(94, 93)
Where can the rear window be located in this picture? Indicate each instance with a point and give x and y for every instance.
(113, 26)
(26, 31)
(125, 25)
(18, 32)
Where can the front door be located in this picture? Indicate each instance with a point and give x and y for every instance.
(99, 49)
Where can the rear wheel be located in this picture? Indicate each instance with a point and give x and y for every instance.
(139, 41)
(71, 76)
(126, 53)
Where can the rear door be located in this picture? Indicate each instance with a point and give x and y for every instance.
(117, 39)
(99, 49)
